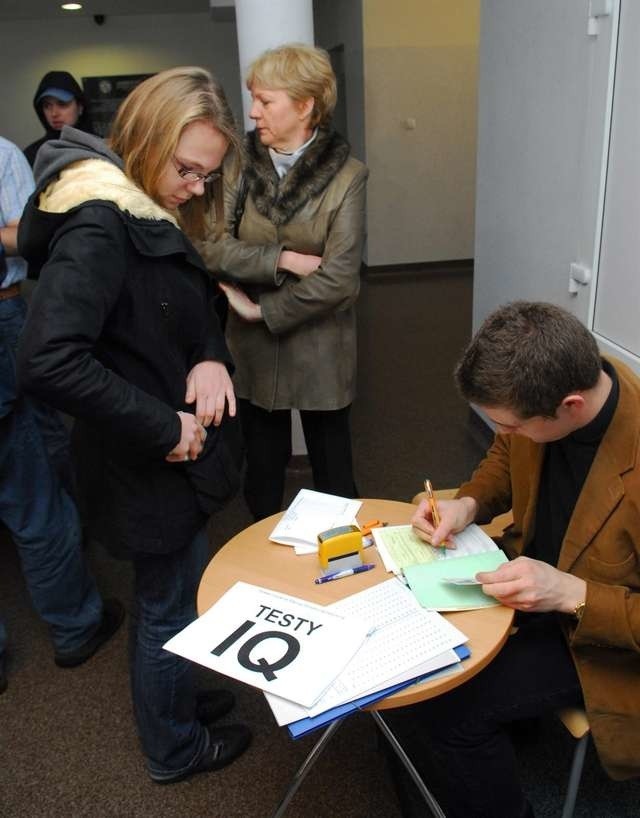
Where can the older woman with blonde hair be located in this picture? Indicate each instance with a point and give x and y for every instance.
(121, 334)
(292, 252)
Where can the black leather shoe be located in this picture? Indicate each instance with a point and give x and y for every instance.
(225, 745)
(3, 675)
(112, 616)
(213, 704)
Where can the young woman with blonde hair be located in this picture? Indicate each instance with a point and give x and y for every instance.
(121, 335)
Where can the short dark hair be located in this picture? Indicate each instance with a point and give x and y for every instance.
(527, 357)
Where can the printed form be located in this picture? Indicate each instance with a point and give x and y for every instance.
(399, 546)
(406, 642)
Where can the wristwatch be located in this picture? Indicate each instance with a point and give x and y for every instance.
(579, 610)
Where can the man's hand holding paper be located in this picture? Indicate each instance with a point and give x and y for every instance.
(532, 585)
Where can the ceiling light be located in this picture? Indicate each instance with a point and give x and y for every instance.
(71, 6)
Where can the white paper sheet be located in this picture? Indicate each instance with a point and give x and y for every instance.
(405, 637)
(272, 641)
(311, 513)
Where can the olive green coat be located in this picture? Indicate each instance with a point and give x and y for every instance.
(303, 355)
(602, 546)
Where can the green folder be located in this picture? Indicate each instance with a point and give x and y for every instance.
(427, 582)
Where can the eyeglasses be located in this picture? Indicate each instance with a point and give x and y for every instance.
(193, 176)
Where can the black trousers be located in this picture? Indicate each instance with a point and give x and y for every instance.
(460, 742)
(267, 438)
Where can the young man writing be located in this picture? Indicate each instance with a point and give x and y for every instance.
(565, 460)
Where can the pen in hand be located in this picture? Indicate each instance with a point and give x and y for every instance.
(435, 516)
(346, 573)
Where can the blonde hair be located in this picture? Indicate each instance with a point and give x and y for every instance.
(302, 71)
(150, 121)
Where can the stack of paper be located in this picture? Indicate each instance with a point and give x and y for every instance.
(300, 728)
(273, 641)
(443, 579)
(311, 513)
(318, 663)
(407, 642)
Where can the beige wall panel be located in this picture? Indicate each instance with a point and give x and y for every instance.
(420, 66)
(422, 186)
(421, 23)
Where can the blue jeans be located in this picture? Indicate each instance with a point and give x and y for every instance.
(40, 515)
(163, 684)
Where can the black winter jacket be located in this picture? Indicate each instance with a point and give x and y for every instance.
(122, 312)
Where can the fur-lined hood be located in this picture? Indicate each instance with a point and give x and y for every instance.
(280, 199)
(80, 170)
(97, 179)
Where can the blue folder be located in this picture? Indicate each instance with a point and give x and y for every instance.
(300, 728)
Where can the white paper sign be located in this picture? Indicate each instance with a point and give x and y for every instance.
(273, 641)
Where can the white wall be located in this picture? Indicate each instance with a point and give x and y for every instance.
(420, 63)
(616, 290)
(123, 45)
(542, 132)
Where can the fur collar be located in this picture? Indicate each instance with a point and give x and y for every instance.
(98, 179)
(280, 199)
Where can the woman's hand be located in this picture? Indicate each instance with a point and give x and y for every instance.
(300, 264)
(240, 302)
(209, 385)
(192, 438)
(454, 516)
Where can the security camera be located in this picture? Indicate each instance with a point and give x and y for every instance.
(99, 19)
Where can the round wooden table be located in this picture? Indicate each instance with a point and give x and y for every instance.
(251, 557)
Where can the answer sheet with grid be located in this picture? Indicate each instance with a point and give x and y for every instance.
(381, 604)
(405, 636)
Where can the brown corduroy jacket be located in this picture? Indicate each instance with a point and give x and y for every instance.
(602, 546)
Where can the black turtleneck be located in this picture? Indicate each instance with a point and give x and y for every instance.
(564, 471)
